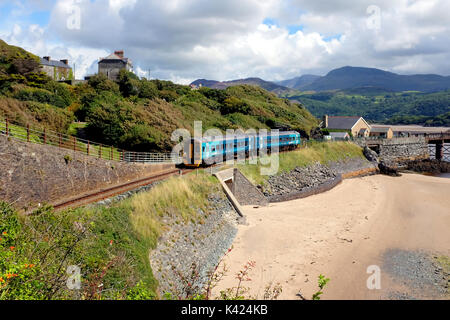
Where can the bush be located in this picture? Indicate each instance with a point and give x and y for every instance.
(36, 251)
(233, 105)
(147, 90)
(100, 82)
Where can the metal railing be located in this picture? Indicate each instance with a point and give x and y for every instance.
(94, 149)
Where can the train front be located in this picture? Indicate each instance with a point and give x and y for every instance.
(192, 155)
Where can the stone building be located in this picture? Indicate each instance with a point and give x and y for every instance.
(112, 64)
(57, 70)
(381, 132)
(357, 126)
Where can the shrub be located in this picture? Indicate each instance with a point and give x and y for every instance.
(36, 251)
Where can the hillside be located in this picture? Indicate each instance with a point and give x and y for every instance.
(136, 114)
(376, 105)
(298, 83)
(355, 77)
(267, 85)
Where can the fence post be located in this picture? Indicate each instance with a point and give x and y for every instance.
(28, 132)
(88, 144)
(100, 151)
(111, 153)
(74, 144)
(45, 137)
(59, 140)
(7, 127)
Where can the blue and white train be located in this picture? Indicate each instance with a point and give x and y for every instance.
(211, 150)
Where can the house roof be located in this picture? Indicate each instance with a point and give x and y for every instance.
(114, 56)
(342, 122)
(380, 130)
(339, 134)
(54, 63)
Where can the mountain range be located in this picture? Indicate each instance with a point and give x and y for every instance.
(266, 85)
(344, 78)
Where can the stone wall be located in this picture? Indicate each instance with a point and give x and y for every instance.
(308, 191)
(398, 149)
(32, 173)
(245, 192)
(187, 253)
(317, 178)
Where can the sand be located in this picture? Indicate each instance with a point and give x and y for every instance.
(340, 233)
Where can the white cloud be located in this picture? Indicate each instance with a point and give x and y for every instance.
(185, 40)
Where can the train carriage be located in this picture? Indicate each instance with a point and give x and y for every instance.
(217, 149)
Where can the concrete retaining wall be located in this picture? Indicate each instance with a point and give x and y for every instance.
(245, 192)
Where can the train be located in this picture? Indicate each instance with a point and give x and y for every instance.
(210, 150)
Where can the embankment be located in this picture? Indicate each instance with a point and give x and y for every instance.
(187, 253)
(312, 170)
(32, 174)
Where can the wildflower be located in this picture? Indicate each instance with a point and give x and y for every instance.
(111, 242)
(12, 248)
(4, 233)
(31, 266)
(1, 279)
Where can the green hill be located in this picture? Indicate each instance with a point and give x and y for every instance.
(136, 114)
(429, 109)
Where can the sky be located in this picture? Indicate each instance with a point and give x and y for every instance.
(183, 40)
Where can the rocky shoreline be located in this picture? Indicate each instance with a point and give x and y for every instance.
(428, 166)
(313, 178)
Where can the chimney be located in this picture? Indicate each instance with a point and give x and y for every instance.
(119, 53)
(65, 61)
(325, 121)
(47, 58)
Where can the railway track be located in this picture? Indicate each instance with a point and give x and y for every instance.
(107, 193)
(103, 194)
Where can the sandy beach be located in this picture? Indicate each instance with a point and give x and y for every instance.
(376, 220)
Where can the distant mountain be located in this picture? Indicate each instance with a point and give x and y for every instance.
(298, 83)
(356, 77)
(267, 85)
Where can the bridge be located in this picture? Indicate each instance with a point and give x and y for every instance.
(439, 140)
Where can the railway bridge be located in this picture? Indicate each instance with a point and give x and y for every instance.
(439, 140)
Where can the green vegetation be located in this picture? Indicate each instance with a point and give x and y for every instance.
(110, 245)
(323, 152)
(444, 263)
(322, 282)
(430, 109)
(135, 114)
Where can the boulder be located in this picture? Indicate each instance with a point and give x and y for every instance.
(370, 155)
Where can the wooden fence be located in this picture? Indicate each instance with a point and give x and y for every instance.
(90, 148)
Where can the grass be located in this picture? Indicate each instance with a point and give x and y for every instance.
(111, 245)
(74, 126)
(20, 133)
(444, 262)
(323, 152)
(179, 198)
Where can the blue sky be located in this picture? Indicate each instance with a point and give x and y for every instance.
(223, 40)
